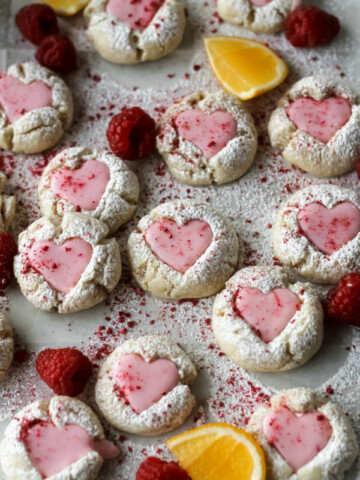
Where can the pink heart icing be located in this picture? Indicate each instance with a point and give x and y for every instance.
(268, 314)
(143, 383)
(51, 449)
(136, 13)
(320, 120)
(18, 98)
(179, 246)
(61, 265)
(329, 229)
(297, 437)
(260, 3)
(82, 187)
(209, 132)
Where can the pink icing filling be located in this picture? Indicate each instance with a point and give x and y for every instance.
(209, 132)
(51, 449)
(142, 383)
(260, 3)
(268, 314)
(297, 437)
(179, 246)
(321, 120)
(17, 98)
(136, 13)
(82, 187)
(329, 229)
(61, 265)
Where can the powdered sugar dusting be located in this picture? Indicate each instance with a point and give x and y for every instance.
(223, 391)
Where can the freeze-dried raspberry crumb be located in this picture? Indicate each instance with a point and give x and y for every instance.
(131, 134)
(342, 303)
(64, 370)
(36, 22)
(155, 469)
(8, 250)
(310, 27)
(57, 53)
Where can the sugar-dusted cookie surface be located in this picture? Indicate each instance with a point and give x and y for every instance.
(183, 249)
(317, 232)
(91, 181)
(67, 264)
(304, 436)
(156, 397)
(265, 321)
(36, 108)
(266, 16)
(60, 438)
(317, 126)
(132, 32)
(207, 137)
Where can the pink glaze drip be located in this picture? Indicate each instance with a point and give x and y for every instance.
(51, 449)
(268, 314)
(142, 383)
(260, 3)
(83, 187)
(209, 132)
(136, 13)
(297, 437)
(18, 98)
(329, 229)
(61, 265)
(179, 246)
(320, 120)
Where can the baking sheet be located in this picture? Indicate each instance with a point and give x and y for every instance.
(224, 392)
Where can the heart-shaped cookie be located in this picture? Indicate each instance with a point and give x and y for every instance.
(61, 265)
(268, 314)
(51, 449)
(137, 13)
(260, 3)
(18, 98)
(143, 383)
(329, 229)
(209, 132)
(297, 437)
(179, 246)
(82, 187)
(320, 120)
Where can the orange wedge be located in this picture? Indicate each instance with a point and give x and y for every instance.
(244, 67)
(218, 451)
(66, 7)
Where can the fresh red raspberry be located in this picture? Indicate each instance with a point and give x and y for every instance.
(155, 469)
(57, 53)
(36, 22)
(310, 27)
(7, 245)
(131, 134)
(342, 303)
(6, 271)
(65, 370)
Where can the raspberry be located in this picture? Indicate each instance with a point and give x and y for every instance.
(7, 245)
(65, 370)
(57, 53)
(131, 134)
(155, 469)
(358, 169)
(310, 27)
(8, 251)
(342, 303)
(36, 22)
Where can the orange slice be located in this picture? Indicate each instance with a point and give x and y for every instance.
(66, 7)
(244, 67)
(219, 451)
